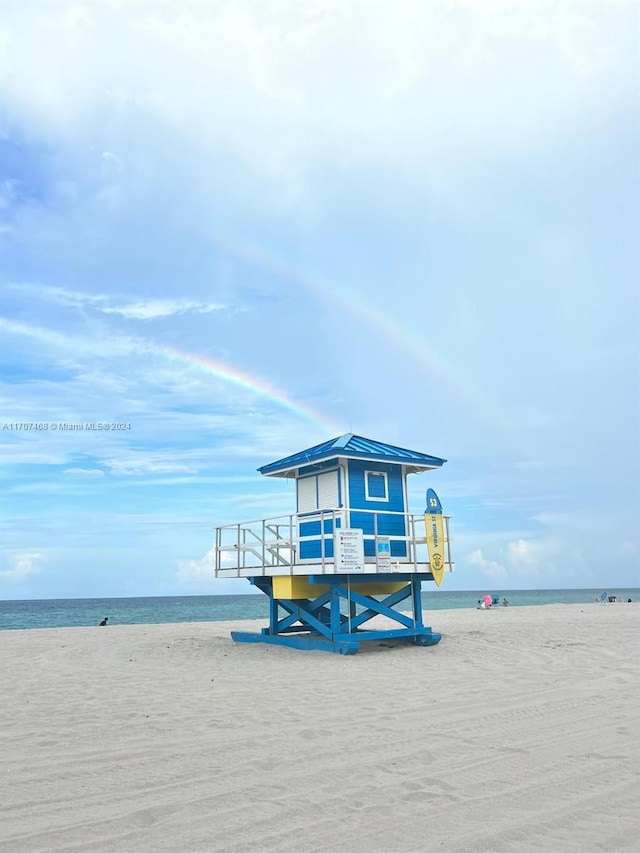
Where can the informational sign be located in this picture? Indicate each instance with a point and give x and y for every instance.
(434, 529)
(383, 554)
(349, 550)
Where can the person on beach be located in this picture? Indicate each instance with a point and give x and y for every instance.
(104, 622)
(481, 605)
(505, 602)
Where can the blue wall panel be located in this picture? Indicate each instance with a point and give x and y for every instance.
(388, 525)
(312, 548)
(357, 499)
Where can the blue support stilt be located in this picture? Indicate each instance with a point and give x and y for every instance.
(319, 623)
(417, 600)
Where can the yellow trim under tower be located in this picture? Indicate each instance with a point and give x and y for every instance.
(299, 587)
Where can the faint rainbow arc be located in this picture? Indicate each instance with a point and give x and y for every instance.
(241, 379)
(214, 367)
(405, 340)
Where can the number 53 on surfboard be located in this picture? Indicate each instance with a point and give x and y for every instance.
(434, 530)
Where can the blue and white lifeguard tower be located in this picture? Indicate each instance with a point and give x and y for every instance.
(350, 552)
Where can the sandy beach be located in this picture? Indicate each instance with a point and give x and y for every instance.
(519, 732)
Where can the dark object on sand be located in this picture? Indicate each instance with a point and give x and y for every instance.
(104, 622)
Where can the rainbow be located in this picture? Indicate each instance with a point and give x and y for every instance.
(214, 367)
(240, 379)
(387, 328)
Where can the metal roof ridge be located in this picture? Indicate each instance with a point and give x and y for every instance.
(343, 440)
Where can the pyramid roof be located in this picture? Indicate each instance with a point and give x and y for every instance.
(350, 446)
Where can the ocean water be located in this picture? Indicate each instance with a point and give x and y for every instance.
(76, 612)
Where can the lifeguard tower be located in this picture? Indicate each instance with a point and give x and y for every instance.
(350, 552)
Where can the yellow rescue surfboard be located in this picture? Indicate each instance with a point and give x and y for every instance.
(434, 529)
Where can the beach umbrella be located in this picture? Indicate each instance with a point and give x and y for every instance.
(488, 600)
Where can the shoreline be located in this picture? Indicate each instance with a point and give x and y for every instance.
(264, 618)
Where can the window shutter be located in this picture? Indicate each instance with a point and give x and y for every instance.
(328, 494)
(307, 498)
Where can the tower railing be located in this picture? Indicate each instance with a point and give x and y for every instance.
(269, 546)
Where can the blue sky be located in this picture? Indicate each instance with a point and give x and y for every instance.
(245, 228)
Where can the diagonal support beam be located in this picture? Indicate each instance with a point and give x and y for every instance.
(378, 608)
(303, 614)
(276, 624)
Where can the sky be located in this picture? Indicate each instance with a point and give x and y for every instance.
(240, 229)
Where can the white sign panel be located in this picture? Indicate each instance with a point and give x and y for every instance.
(383, 554)
(349, 550)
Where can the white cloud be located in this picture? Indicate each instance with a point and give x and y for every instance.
(490, 568)
(198, 570)
(145, 462)
(302, 81)
(519, 559)
(556, 549)
(528, 557)
(23, 565)
(154, 308)
(140, 309)
(44, 336)
(83, 472)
